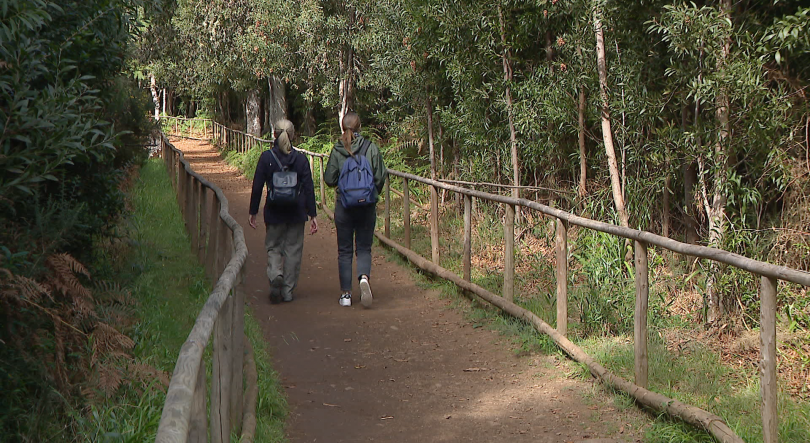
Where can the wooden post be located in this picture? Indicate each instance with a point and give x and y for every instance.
(768, 381)
(322, 184)
(642, 303)
(225, 248)
(312, 168)
(388, 208)
(212, 253)
(561, 244)
(406, 212)
(221, 375)
(237, 356)
(509, 254)
(434, 225)
(203, 224)
(172, 171)
(467, 254)
(181, 190)
(198, 426)
(194, 232)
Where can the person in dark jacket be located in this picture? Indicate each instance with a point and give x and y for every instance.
(284, 224)
(355, 226)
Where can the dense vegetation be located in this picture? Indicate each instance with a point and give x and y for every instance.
(700, 105)
(72, 122)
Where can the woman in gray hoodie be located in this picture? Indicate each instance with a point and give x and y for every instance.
(355, 225)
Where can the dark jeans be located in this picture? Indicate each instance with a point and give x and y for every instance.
(355, 234)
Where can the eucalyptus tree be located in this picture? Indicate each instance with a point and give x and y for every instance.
(742, 120)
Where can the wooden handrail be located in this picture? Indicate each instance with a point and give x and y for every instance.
(184, 412)
(730, 258)
(770, 274)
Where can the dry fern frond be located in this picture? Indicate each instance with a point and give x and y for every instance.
(22, 288)
(89, 393)
(74, 265)
(147, 373)
(83, 306)
(107, 340)
(64, 280)
(109, 379)
(119, 315)
(108, 290)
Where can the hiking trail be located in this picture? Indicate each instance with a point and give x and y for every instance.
(410, 368)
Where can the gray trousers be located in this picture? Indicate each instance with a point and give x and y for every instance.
(285, 245)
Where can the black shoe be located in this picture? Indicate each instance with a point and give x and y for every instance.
(275, 290)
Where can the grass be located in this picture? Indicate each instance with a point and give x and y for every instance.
(246, 161)
(170, 286)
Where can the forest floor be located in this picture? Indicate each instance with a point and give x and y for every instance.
(411, 368)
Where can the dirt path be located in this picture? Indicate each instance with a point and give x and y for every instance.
(409, 369)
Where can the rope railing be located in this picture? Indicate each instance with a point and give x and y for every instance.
(768, 273)
(219, 243)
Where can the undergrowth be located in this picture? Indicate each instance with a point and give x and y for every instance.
(108, 384)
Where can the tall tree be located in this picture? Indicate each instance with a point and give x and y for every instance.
(607, 133)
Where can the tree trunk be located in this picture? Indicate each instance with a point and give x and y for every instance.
(507, 77)
(665, 205)
(441, 149)
(278, 99)
(346, 91)
(716, 211)
(583, 153)
(254, 116)
(689, 180)
(434, 197)
(607, 135)
(431, 151)
(226, 103)
(153, 88)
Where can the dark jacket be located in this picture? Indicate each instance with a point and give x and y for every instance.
(267, 165)
(339, 155)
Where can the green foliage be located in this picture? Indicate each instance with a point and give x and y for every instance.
(70, 123)
(246, 161)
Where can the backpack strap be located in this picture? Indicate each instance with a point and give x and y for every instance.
(364, 147)
(281, 166)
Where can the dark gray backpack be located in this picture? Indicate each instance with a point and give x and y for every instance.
(284, 188)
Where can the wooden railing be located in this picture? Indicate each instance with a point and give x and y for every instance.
(769, 276)
(219, 243)
(229, 139)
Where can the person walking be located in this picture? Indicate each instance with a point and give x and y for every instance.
(290, 200)
(357, 171)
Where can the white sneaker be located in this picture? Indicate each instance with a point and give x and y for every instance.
(346, 300)
(365, 292)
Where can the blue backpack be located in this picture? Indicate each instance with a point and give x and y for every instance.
(356, 180)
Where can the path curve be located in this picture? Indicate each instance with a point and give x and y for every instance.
(410, 369)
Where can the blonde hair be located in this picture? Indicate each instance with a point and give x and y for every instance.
(350, 125)
(284, 133)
